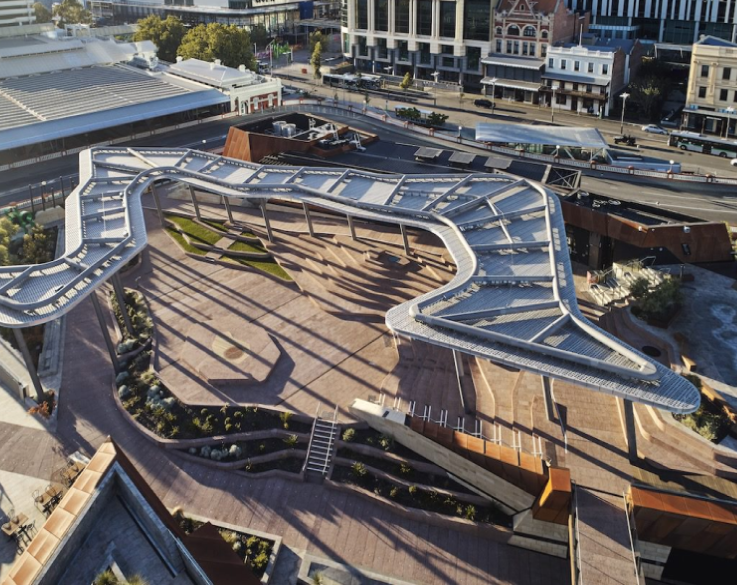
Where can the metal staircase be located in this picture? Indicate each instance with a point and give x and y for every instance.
(322, 443)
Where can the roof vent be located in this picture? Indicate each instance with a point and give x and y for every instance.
(242, 68)
(218, 62)
(212, 66)
(179, 59)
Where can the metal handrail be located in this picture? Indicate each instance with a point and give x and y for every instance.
(577, 543)
(630, 531)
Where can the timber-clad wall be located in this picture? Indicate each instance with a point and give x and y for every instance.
(707, 241)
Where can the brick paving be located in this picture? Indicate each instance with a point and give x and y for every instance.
(342, 527)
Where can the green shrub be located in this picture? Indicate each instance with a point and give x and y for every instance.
(470, 512)
(284, 418)
(404, 469)
(291, 441)
(359, 470)
(639, 287)
(349, 435)
(387, 443)
(412, 490)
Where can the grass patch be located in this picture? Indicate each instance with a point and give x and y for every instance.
(268, 266)
(240, 246)
(195, 231)
(218, 225)
(184, 244)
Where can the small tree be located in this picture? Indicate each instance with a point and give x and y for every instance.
(406, 81)
(72, 12)
(36, 246)
(639, 287)
(43, 14)
(316, 60)
(315, 38)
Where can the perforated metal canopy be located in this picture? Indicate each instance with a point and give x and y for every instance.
(512, 299)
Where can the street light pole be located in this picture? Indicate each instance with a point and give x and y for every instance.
(624, 97)
(493, 93)
(552, 103)
(435, 75)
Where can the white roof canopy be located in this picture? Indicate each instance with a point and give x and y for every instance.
(512, 299)
(547, 135)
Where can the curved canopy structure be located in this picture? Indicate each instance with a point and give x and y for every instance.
(512, 299)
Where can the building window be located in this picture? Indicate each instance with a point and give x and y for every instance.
(704, 71)
(575, 87)
(530, 31)
(401, 16)
(403, 48)
(577, 65)
(425, 56)
(589, 89)
(513, 30)
(362, 14)
(448, 19)
(591, 68)
(446, 49)
(516, 48)
(476, 20)
(605, 69)
(499, 31)
(424, 18)
(362, 47)
(544, 34)
(727, 73)
(723, 95)
(498, 45)
(532, 49)
(702, 92)
(473, 58)
(551, 63)
(509, 47)
(382, 52)
(381, 15)
(563, 64)
(524, 48)
(449, 62)
(543, 51)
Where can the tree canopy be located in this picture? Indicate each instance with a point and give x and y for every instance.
(316, 60)
(650, 87)
(72, 12)
(166, 34)
(230, 44)
(316, 37)
(43, 14)
(259, 36)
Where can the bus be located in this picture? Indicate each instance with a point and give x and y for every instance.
(706, 144)
(351, 81)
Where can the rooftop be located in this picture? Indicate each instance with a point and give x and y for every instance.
(215, 73)
(512, 299)
(547, 135)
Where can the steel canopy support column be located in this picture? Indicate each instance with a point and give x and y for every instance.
(351, 227)
(21, 343)
(269, 233)
(105, 332)
(308, 219)
(157, 202)
(194, 202)
(548, 396)
(629, 425)
(460, 372)
(120, 295)
(405, 241)
(228, 209)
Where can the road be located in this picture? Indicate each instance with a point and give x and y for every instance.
(719, 203)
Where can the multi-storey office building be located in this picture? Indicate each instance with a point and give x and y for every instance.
(277, 16)
(664, 21)
(16, 12)
(711, 97)
(419, 37)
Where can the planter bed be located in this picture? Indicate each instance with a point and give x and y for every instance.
(280, 460)
(420, 498)
(405, 472)
(291, 464)
(257, 551)
(247, 449)
(374, 438)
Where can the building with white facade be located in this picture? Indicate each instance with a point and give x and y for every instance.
(711, 96)
(587, 78)
(248, 91)
(16, 12)
(419, 37)
(664, 21)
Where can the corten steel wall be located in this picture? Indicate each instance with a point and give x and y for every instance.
(683, 522)
(708, 241)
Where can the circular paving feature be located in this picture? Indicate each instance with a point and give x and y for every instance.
(229, 352)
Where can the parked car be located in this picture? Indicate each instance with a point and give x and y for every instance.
(482, 103)
(733, 162)
(653, 129)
